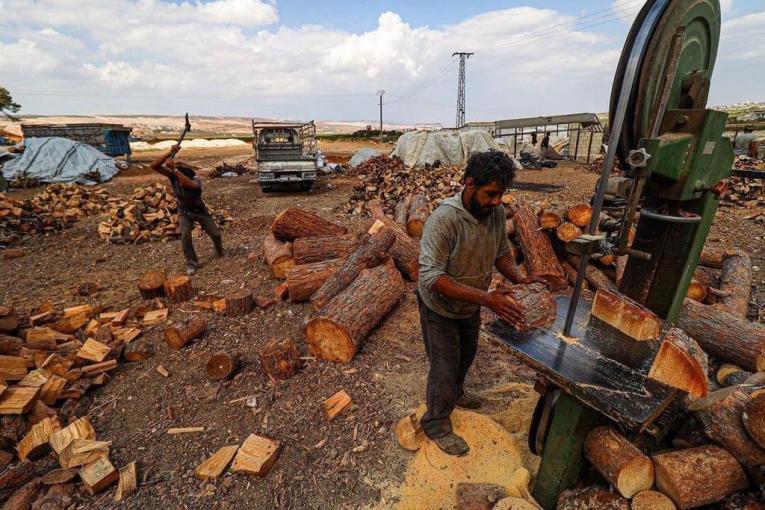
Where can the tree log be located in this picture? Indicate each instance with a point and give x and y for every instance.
(9, 320)
(567, 232)
(240, 303)
(369, 254)
(731, 375)
(294, 223)
(721, 414)
(402, 211)
(278, 255)
(754, 418)
(619, 461)
(724, 335)
(178, 289)
(280, 358)
(15, 476)
(304, 280)
(405, 250)
(681, 363)
(591, 498)
(182, 333)
(419, 210)
(137, 350)
(538, 253)
(698, 476)
(712, 257)
(537, 303)
(571, 273)
(338, 330)
(10, 345)
(152, 284)
(220, 366)
(24, 496)
(594, 276)
(736, 283)
(698, 290)
(316, 249)
(651, 500)
(580, 215)
(550, 220)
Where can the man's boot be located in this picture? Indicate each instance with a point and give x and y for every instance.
(452, 444)
(469, 401)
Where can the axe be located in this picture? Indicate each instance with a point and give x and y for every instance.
(186, 129)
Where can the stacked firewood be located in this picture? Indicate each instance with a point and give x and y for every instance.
(386, 180)
(150, 214)
(744, 192)
(55, 208)
(749, 163)
(49, 360)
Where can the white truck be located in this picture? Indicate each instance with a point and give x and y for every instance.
(285, 154)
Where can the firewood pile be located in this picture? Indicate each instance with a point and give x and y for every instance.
(744, 192)
(50, 359)
(749, 163)
(386, 180)
(150, 214)
(596, 166)
(225, 168)
(55, 208)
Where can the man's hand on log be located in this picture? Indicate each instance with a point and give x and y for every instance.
(507, 309)
(535, 279)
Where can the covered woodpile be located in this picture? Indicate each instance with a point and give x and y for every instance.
(149, 214)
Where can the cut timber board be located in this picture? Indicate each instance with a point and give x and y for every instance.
(216, 464)
(256, 456)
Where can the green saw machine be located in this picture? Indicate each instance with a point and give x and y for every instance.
(676, 156)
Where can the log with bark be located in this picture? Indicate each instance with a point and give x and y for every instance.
(419, 210)
(401, 213)
(730, 375)
(182, 333)
(316, 249)
(626, 315)
(711, 257)
(405, 250)
(619, 461)
(280, 358)
(240, 303)
(294, 223)
(549, 220)
(651, 500)
(735, 283)
(369, 254)
(339, 329)
(698, 289)
(724, 335)
(220, 366)
(698, 476)
(754, 417)
(594, 276)
(152, 284)
(304, 280)
(278, 255)
(580, 215)
(567, 232)
(538, 252)
(571, 273)
(680, 363)
(178, 289)
(537, 304)
(591, 498)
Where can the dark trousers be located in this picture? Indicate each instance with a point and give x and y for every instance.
(206, 221)
(451, 345)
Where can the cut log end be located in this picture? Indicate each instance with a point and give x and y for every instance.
(328, 340)
(220, 366)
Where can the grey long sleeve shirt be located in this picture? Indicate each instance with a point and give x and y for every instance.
(456, 244)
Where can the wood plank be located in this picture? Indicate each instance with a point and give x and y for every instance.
(216, 464)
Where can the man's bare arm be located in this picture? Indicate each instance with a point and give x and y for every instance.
(158, 165)
(184, 181)
(509, 269)
(495, 300)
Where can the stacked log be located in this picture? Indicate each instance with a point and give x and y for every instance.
(295, 223)
(538, 253)
(278, 255)
(304, 280)
(307, 250)
(419, 210)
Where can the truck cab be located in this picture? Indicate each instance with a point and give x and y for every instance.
(285, 155)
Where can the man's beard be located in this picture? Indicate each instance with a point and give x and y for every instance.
(479, 212)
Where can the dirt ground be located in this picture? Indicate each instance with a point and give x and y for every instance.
(351, 462)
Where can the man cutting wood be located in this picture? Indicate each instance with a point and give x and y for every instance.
(187, 189)
(463, 241)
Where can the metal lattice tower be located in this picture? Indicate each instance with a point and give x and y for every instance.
(461, 88)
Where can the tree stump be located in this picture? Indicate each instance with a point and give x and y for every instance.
(178, 288)
(419, 210)
(220, 366)
(294, 223)
(307, 250)
(619, 461)
(538, 253)
(278, 255)
(338, 330)
(280, 358)
(240, 303)
(303, 281)
(182, 333)
(152, 284)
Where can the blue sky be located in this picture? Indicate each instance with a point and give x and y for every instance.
(325, 60)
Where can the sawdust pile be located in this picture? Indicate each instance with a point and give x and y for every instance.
(386, 179)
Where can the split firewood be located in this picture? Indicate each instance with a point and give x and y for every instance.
(538, 253)
(594, 276)
(179, 289)
(18, 400)
(52, 390)
(9, 321)
(619, 461)
(698, 476)
(98, 368)
(206, 302)
(304, 280)
(24, 496)
(725, 336)
(10, 345)
(138, 350)
(152, 284)
(98, 475)
(680, 363)
(12, 368)
(754, 417)
(240, 303)
(162, 371)
(651, 500)
(221, 366)
(731, 375)
(281, 291)
(580, 215)
(307, 250)
(409, 432)
(478, 496)
(43, 339)
(264, 302)
(549, 220)
(70, 324)
(15, 476)
(93, 351)
(401, 213)
(85, 309)
(127, 483)
(256, 456)
(337, 331)
(538, 305)
(78, 429)
(736, 283)
(721, 414)
(83, 451)
(419, 211)
(35, 444)
(626, 315)
(336, 404)
(183, 332)
(280, 358)
(405, 250)
(370, 253)
(214, 466)
(278, 255)
(591, 498)
(294, 223)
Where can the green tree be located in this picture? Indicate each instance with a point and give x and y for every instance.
(7, 105)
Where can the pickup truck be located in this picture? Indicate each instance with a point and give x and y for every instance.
(285, 154)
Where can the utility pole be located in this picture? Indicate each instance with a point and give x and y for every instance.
(380, 93)
(461, 87)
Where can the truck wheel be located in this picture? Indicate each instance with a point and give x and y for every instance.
(306, 186)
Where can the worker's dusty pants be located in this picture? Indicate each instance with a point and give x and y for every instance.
(206, 221)
(451, 345)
